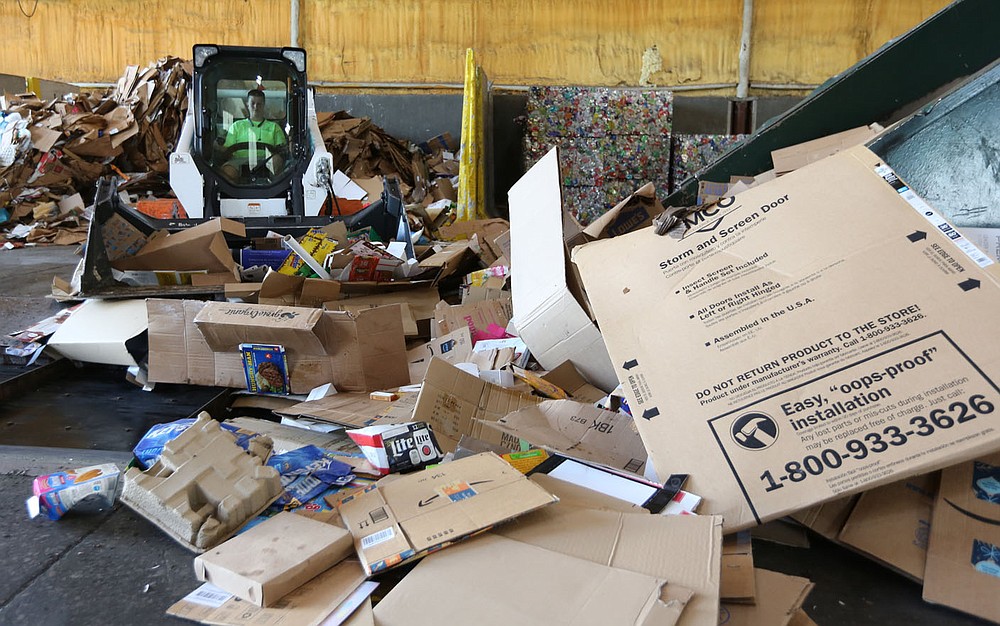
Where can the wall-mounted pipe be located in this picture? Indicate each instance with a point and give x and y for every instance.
(743, 85)
(294, 27)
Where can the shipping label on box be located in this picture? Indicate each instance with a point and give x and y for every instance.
(812, 337)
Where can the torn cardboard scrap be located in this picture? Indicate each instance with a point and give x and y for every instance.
(779, 599)
(578, 430)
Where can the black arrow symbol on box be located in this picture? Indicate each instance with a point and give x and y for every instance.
(966, 285)
(916, 236)
(650, 413)
(630, 364)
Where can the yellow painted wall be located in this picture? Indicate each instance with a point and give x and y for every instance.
(810, 41)
(518, 42)
(94, 40)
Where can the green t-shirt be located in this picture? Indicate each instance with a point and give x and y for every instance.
(245, 130)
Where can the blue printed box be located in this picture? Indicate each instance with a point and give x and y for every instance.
(265, 367)
(270, 258)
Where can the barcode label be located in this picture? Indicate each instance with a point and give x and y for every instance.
(208, 595)
(376, 538)
(938, 222)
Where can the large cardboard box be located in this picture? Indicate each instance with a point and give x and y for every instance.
(963, 557)
(399, 520)
(549, 317)
(814, 336)
(274, 558)
(197, 343)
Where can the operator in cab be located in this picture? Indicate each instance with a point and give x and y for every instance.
(256, 143)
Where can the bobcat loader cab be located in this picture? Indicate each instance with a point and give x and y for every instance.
(276, 178)
(266, 166)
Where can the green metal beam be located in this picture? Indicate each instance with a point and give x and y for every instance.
(954, 43)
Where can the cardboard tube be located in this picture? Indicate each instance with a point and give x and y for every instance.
(293, 245)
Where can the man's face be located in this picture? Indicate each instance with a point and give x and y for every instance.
(255, 104)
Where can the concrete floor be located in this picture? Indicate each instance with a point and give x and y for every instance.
(25, 281)
(106, 565)
(101, 565)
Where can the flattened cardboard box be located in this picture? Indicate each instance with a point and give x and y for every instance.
(963, 557)
(356, 352)
(814, 336)
(493, 580)
(684, 550)
(398, 520)
(355, 410)
(103, 331)
(274, 558)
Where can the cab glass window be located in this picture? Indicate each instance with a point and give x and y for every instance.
(248, 121)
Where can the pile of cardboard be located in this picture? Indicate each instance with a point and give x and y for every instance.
(365, 152)
(574, 417)
(56, 150)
